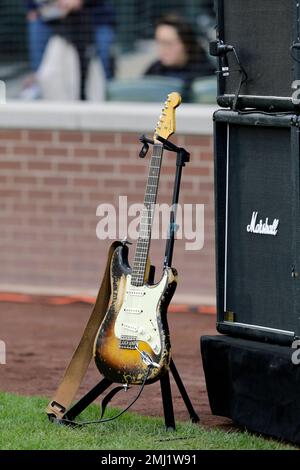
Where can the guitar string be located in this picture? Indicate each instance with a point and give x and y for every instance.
(143, 243)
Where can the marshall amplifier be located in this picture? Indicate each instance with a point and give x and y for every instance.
(261, 37)
(257, 225)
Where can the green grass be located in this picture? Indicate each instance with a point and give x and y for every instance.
(24, 425)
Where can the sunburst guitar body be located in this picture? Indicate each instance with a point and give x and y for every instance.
(135, 322)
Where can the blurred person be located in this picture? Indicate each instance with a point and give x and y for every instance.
(104, 21)
(81, 22)
(179, 53)
(39, 33)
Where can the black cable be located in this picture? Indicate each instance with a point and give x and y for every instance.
(292, 55)
(243, 79)
(296, 44)
(106, 420)
(240, 65)
(298, 22)
(237, 93)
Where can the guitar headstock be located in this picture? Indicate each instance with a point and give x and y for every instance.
(166, 125)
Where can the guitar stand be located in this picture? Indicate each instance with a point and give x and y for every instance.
(165, 385)
(183, 157)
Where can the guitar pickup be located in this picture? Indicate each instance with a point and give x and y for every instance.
(136, 293)
(136, 311)
(129, 327)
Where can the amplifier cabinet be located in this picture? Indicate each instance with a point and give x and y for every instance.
(257, 225)
(262, 33)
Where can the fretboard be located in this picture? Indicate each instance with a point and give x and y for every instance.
(143, 243)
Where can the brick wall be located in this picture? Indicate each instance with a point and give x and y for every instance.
(51, 183)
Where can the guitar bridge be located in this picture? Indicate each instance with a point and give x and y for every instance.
(128, 342)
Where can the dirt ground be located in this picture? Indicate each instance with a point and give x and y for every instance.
(40, 340)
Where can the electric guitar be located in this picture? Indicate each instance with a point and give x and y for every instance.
(134, 332)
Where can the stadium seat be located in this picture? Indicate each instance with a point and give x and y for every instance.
(204, 90)
(147, 89)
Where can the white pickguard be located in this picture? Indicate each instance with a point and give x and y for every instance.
(138, 314)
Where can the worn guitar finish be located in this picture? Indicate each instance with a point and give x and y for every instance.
(125, 365)
(133, 339)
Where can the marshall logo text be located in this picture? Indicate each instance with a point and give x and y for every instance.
(262, 228)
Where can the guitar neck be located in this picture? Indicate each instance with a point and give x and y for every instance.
(143, 243)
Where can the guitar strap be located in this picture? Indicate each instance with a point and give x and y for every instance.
(82, 356)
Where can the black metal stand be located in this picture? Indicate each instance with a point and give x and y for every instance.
(183, 157)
